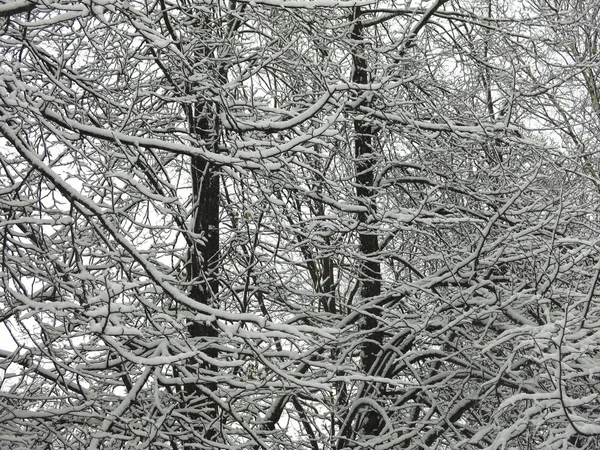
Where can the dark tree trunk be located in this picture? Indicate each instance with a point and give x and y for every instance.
(370, 270)
(203, 270)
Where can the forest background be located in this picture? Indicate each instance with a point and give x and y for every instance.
(299, 224)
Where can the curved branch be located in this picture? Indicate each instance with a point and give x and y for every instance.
(26, 362)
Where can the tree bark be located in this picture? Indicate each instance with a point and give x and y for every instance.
(370, 270)
(203, 262)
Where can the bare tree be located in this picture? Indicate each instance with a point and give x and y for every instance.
(298, 224)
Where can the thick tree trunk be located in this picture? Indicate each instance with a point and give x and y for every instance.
(204, 257)
(370, 270)
(203, 261)
(203, 271)
(205, 217)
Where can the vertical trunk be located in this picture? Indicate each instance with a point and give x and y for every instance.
(204, 258)
(205, 218)
(370, 271)
(203, 269)
(203, 262)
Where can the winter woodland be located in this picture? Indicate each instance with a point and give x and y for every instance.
(299, 224)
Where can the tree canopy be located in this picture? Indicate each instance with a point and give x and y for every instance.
(299, 224)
